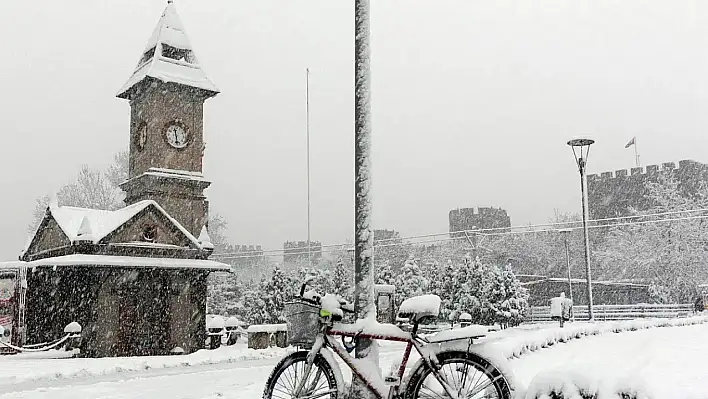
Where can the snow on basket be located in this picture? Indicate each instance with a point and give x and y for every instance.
(424, 305)
(72, 328)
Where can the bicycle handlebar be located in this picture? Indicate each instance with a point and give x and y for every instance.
(344, 304)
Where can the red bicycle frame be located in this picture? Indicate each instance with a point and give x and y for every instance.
(380, 389)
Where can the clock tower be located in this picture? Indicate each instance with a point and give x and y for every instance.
(167, 92)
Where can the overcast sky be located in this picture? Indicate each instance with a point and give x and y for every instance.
(472, 101)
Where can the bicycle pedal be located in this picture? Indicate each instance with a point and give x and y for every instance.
(392, 380)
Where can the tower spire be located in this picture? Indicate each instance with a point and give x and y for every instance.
(168, 57)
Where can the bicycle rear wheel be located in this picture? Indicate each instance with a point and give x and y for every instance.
(469, 375)
(287, 375)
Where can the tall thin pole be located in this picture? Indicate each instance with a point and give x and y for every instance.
(584, 192)
(307, 123)
(567, 259)
(636, 152)
(363, 236)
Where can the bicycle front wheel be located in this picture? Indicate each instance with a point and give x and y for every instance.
(290, 372)
(469, 375)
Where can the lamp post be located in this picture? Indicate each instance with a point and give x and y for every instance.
(564, 233)
(581, 150)
(364, 306)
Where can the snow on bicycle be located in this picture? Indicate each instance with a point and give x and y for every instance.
(449, 367)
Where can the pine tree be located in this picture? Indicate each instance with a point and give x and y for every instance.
(410, 282)
(384, 274)
(447, 289)
(265, 304)
(342, 281)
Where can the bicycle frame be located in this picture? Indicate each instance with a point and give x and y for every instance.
(373, 381)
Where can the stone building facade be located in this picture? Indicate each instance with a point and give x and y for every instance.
(135, 279)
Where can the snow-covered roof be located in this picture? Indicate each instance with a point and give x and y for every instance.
(175, 174)
(11, 265)
(100, 223)
(170, 35)
(129, 261)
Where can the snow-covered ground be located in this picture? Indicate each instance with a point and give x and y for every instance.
(664, 361)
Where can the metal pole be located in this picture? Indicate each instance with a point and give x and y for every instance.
(363, 236)
(567, 259)
(307, 112)
(583, 190)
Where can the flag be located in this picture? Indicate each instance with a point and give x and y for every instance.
(631, 142)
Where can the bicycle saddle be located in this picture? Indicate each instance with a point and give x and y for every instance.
(420, 307)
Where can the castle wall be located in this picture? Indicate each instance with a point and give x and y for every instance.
(611, 194)
(481, 218)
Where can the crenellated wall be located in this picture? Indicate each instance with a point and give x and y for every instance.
(611, 194)
(462, 219)
(296, 252)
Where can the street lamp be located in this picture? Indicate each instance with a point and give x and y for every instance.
(581, 150)
(364, 305)
(564, 233)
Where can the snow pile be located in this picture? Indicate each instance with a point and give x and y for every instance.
(588, 382)
(472, 331)
(330, 303)
(517, 346)
(215, 323)
(371, 327)
(267, 328)
(31, 367)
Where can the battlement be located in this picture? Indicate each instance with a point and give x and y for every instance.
(480, 211)
(481, 218)
(297, 246)
(384, 234)
(613, 194)
(649, 170)
(295, 252)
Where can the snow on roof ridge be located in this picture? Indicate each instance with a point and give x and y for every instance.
(177, 171)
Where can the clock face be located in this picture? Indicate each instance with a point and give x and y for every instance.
(142, 136)
(177, 136)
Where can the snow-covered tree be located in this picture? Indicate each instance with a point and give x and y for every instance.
(265, 303)
(343, 280)
(384, 274)
(505, 300)
(410, 281)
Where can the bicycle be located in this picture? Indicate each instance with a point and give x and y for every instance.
(310, 373)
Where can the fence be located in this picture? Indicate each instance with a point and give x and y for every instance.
(616, 312)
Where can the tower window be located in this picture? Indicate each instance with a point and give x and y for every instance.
(149, 233)
(147, 56)
(178, 54)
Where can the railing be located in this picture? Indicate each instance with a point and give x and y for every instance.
(616, 312)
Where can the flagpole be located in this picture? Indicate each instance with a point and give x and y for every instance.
(636, 152)
(307, 128)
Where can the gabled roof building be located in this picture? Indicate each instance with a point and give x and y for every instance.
(135, 278)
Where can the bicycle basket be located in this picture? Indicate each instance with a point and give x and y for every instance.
(302, 319)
